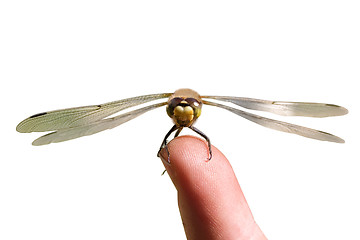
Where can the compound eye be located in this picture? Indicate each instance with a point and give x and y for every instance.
(172, 105)
(193, 102)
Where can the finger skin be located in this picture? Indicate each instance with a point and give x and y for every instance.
(211, 203)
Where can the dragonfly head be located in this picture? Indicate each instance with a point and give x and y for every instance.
(184, 110)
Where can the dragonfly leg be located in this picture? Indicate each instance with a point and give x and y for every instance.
(178, 132)
(204, 136)
(164, 142)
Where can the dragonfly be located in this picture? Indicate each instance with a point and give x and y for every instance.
(183, 107)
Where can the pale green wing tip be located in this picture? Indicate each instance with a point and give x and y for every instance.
(19, 128)
(340, 111)
(335, 139)
(40, 141)
(344, 111)
(37, 143)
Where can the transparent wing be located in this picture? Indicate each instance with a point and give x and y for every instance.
(80, 116)
(306, 109)
(92, 128)
(281, 126)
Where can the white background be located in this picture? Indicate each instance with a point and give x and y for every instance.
(57, 54)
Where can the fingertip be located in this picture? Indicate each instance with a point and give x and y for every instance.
(210, 198)
(188, 157)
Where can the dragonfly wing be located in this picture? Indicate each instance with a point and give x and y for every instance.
(80, 116)
(306, 109)
(281, 126)
(92, 128)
